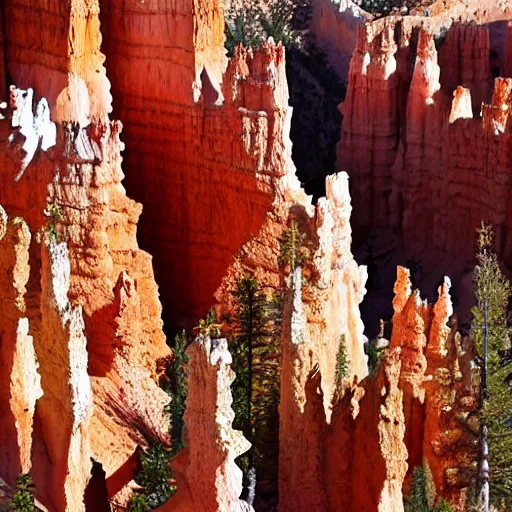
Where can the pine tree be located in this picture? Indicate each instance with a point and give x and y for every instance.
(255, 346)
(492, 287)
(422, 495)
(178, 390)
(155, 475)
(294, 251)
(342, 365)
(250, 318)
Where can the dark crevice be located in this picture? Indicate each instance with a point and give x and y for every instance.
(316, 90)
(96, 494)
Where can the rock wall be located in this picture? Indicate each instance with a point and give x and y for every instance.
(98, 353)
(210, 157)
(201, 132)
(424, 161)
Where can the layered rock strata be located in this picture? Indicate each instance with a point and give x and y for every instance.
(202, 131)
(420, 151)
(96, 329)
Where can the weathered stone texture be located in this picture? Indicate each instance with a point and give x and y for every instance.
(207, 476)
(422, 162)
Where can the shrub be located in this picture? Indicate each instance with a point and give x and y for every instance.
(374, 357)
(208, 326)
(23, 499)
(54, 215)
(138, 503)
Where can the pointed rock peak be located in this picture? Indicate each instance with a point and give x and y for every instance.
(402, 288)
(461, 104)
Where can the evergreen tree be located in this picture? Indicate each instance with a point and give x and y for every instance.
(255, 347)
(342, 365)
(155, 475)
(250, 319)
(422, 495)
(493, 288)
(294, 251)
(178, 390)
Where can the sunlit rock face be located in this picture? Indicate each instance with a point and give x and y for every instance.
(419, 406)
(81, 328)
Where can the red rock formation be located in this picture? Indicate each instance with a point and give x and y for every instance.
(201, 133)
(417, 155)
(73, 170)
(19, 375)
(420, 406)
(209, 155)
(207, 476)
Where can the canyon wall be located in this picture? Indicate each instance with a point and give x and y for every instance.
(201, 133)
(86, 296)
(428, 160)
(209, 156)
(82, 304)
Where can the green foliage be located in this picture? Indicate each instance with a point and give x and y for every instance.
(23, 499)
(422, 496)
(256, 358)
(138, 503)
(496, 410)
(209, 326)
(178, 390)
(252, 25)
(239, 31)
(386, 7)
(277, 22)
(442, 506)
(54, 215)
(374, 357)
(294, 251)
(155, 475)
(342, 364)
